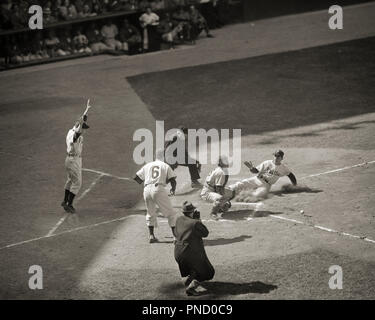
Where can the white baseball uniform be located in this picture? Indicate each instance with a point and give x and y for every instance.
(216, 178)
(156, 175)
(73, 162)
(269, 173)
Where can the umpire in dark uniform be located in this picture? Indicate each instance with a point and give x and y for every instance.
(189, 250)
(193, 165)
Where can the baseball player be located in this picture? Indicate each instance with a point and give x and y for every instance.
(73, 161)
(155, 176)
(267, 174)
(214, 189)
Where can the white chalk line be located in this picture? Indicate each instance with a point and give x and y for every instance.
(244, 203)
(66, 215)
(66, 231)
(104, 174)
(100, 175)
(338, 170)
(324, 228)
(327, 172)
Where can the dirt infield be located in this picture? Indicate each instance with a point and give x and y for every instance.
(323, 116)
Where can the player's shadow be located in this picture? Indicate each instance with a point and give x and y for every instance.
(223, 241)
(246, 214)
(283, 191)
(220, 288)
(191, 191)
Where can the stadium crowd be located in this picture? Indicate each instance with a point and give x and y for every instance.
(148, 26)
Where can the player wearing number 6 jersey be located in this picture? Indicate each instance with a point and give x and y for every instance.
(155, 176)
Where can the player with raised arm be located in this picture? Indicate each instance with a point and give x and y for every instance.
(73, 161)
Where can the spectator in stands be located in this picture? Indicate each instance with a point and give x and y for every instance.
(38, 47)
(133, 4)
(157, 5)
(109, 32)
(143, 4)
(79, 5)
(47, 16)
(97, 7)
(66, 42)
(96, 40)
(52, 43)
(14, 51)
(63, 9)
(5, 16)
(198, 23)
(24, 11)
(130, 37)
(149, 21)
(86, 12)
(182, 17)
(25, 47)
(72, 11)
(110, 5)
(81, 44)
(56, 9)
(17, 20)
(169, 32)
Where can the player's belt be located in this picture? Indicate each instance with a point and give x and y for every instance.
(264, 179)
(73, 155)
(155, 184)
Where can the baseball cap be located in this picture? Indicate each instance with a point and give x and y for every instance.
(279, 153)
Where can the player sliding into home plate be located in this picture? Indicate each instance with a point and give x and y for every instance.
(267, 174)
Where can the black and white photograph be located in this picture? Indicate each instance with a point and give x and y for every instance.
(191, 151)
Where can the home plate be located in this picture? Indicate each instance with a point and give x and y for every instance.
(256, 206)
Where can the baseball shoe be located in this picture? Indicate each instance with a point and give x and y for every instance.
(152, 239)
(65, 206)
(187, 280)
(71, 209)
(195, 289)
